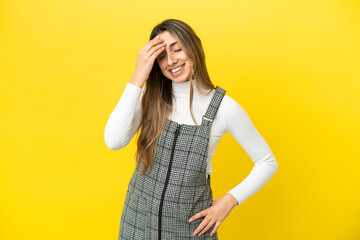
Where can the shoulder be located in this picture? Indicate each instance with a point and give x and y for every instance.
(231, 112)
(230, 107)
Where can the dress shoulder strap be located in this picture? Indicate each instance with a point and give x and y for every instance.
(214, 105)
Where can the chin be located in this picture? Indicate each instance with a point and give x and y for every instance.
(181, 79)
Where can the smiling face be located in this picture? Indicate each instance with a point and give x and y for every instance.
(173, 57)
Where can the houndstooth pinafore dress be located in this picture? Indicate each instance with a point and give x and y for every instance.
(158, 205)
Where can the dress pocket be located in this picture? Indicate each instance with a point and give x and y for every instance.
(135, 217)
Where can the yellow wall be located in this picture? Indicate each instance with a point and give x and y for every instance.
(294, 66)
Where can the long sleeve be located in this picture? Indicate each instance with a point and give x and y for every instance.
(239, 125)
(125, 120)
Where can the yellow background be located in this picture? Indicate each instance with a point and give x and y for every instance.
(294, 66)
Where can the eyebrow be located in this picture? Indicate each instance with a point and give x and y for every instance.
(172, 44)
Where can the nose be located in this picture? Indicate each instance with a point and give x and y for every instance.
(171, 60)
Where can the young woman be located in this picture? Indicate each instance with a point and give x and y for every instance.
(182, 116)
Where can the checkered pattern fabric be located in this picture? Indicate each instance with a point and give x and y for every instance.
(158, 205)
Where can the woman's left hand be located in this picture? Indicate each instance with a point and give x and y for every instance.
(215, 214)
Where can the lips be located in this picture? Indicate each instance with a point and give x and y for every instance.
(179, 72)
(176, 67)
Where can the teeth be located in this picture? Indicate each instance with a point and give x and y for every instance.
(176, 69)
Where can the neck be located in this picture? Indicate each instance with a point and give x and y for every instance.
(182, 89)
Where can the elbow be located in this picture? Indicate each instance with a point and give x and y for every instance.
(115, 142)
(269, 165)
(112, 145)
(274, 166)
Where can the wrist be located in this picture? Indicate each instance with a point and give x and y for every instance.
(232, 199)
(137, 81)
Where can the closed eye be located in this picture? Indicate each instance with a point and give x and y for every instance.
(165, 55)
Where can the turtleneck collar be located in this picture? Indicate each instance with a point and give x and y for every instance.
(182, 89)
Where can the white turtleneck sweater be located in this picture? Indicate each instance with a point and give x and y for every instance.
(125, 120)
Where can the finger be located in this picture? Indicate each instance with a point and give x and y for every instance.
(149, 44)
(196, 216)
(209, 224)
(153, 42)
(217, 225)
(156, 50)
(203, 224)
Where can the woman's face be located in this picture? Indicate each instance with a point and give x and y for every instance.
(172, 57)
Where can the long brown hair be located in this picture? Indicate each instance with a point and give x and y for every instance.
(157, 97)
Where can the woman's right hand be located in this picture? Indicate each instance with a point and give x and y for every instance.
(146, 59)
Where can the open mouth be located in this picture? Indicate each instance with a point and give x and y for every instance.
(177, 71)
